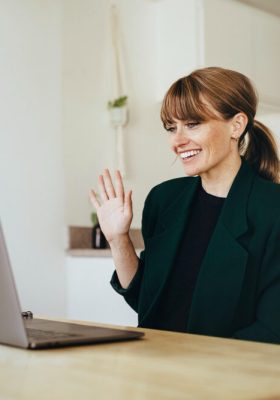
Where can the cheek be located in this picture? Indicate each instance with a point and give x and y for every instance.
(172, 144)
(220, 142)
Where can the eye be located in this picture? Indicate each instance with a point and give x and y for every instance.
(171, 129)
(191, 124)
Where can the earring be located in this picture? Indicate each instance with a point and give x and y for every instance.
(235, 138)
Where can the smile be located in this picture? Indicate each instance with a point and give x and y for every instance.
(189, 154)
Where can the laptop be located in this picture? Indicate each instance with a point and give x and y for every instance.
(32, 333)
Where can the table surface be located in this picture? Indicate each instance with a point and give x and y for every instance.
(162, 365)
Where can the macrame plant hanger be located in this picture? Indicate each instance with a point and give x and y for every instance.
(118, 115)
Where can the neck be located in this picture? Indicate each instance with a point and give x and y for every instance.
(218, 182)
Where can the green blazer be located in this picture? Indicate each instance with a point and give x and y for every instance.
(237, 293)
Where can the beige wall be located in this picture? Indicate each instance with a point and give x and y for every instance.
(89, 140)
(31, 171)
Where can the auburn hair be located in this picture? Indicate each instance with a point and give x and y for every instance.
(228, 93)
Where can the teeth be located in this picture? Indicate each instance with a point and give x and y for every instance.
(190, 153)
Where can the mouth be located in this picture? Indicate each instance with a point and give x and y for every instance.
(187, 155)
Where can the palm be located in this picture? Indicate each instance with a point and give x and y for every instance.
(115, 208)
(114, 218)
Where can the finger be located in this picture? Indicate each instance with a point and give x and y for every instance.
(128, 203)
(119, 185)
(109, 187)
(102, 189)
(93, 199)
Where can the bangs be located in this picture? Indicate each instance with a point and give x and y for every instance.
(183, 102)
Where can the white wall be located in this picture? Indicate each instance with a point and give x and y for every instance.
(272, 120)
(31, 171)
(245, 39)
(179, 33)
(87, 86)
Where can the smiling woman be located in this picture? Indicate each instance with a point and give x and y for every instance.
(218, 106)
(211, 263)
(208, 149)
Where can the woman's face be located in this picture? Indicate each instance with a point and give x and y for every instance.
(205, 148)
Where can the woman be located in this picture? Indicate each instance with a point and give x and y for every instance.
(211, 263)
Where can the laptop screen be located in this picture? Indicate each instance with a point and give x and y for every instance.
(12, 330)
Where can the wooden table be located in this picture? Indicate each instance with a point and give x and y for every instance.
(163, 365)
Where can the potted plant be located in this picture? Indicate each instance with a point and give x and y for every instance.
(98, 240)
(118, 111)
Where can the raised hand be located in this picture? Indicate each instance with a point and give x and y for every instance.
(114, 210)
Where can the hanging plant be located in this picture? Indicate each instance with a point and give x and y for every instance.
(118, 111)
(118, 103)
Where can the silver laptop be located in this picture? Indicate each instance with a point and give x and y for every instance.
(32, 333)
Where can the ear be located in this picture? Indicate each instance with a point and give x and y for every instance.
(239, 123)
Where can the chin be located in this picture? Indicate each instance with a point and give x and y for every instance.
(191, 171)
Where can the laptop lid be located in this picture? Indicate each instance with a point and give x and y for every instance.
(12, 329)
(15, 332)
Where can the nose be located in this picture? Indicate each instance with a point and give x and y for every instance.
(180, 137)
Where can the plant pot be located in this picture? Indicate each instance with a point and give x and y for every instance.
(98, 240)
(118, 116)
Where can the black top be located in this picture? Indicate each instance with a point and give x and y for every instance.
(174, 304)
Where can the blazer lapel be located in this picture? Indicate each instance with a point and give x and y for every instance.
(161, 249)
(221, 275)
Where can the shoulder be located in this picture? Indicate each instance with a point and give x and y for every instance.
(173, 184)
(264, 202)
(160, 198)
(165, 193)
(261, 194)
(266, 193)
(170, 189)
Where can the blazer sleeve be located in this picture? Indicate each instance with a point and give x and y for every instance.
(132, 292)
(266, 327)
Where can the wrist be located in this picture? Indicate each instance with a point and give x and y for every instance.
(119, 240)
